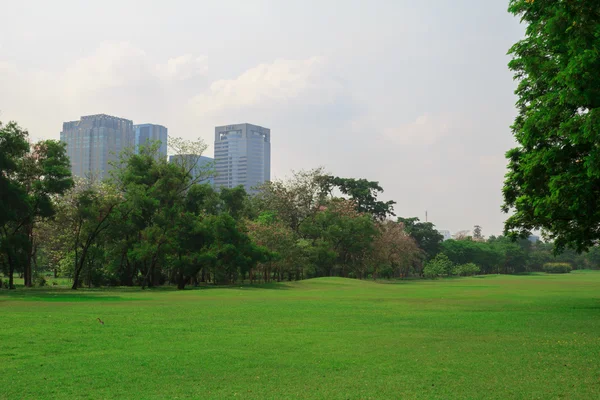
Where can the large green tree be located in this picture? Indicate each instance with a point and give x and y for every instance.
(424, 233)
(30, 177)
(553, 179)
(363, 193)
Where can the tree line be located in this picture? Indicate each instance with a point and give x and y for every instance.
(153, 222)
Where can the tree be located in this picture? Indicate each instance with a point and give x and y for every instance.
(234, 201)
(553, 179)
(232, 251)
(91, 212)
(486, 256)
(349, 233)
(45, 173)
(477, 235)
(156, 194)
(30, 176)
(363, 193)
(294, 200)
(425, 234)
(13, 147)
(395, 249)
(439, 266)
(281, 242)
(13, 198)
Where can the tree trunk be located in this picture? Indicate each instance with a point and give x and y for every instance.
(11, 272)
(78, 268)
(180, 279)
(27, 280)
(151, 275)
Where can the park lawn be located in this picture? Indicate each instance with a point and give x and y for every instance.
(493, 337)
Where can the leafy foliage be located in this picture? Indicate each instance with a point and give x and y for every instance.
(30, 177)
(439, 266)
(557, 268)
(553, 181)
(466, 269)
(363, 193)
(425, 234)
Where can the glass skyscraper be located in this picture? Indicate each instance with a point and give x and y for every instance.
(147, 133)
(242, 156)
(94, 141)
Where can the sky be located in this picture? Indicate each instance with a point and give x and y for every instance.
(413, 94)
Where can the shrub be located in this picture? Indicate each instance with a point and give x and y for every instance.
(439, 266)
(40, 281)
(557, 268)
(432, 271)
(466, 269)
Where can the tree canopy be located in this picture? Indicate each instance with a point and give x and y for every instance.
(553, 179)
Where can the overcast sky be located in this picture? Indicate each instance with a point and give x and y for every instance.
(413, 94)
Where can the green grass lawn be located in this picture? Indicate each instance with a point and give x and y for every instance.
(494, 337)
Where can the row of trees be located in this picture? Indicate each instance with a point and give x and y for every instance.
(154, 222)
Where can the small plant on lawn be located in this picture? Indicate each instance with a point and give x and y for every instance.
(439, 266)
(468, 269)
(557, 268)
(40, 281)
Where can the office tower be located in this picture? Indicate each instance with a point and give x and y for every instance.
(202, 166)
(149, 133)
(242, 156)
(94, 141)
(533, 238)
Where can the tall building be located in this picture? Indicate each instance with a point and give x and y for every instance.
(147, 133)
(204, 166)
(94, 141)
(533, 238)
(242, 156)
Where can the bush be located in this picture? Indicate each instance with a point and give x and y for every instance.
(40, 281)
(557, 268)
(439, 266)
(466, 269)
(432, 271)
(6, 284)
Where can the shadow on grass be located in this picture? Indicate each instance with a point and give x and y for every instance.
(245, 286)
(67, 295)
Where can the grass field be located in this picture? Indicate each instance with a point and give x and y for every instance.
(494, 337)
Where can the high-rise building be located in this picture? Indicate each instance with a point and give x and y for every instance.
(242, 156)
(533, 238)
(148, 133)
(202, 167)
(94, 141)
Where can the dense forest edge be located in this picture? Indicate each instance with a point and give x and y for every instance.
(156, 223)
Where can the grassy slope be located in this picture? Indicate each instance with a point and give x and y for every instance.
(496, 337)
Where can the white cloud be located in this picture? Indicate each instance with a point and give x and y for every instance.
(183, 67)
(110, 65)
(119, 64)
(116, 78)
(283, 81)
